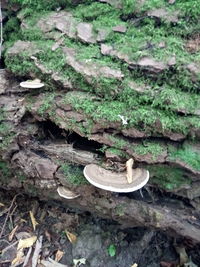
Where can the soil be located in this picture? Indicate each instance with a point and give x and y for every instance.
(82, 237)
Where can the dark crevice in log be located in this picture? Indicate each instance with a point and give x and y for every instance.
(52, 132)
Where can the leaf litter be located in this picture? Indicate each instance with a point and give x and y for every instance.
(25, 246)
(45, 235)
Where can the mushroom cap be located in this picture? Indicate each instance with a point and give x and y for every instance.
(113, 181)
(32, 84)
(66, 193)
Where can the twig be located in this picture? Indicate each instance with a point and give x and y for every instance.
(37, 251)
(8, 214)
(27, 257)
(11, 215)
(1, 29)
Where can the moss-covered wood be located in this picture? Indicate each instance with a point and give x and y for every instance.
(121, 80)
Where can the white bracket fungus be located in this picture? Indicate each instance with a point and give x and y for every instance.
(32, 84)
(66, 193)
(121, 182)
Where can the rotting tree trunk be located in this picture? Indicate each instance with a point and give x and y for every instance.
(97, 110)
(35, 167)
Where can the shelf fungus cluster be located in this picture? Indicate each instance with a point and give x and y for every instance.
(32, 84)
(121, 182)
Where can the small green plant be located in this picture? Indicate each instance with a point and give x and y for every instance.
(119, 210)
(112, 250)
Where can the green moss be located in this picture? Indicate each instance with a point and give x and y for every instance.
(107, 22)
(158, 105)
(171, 98)
(73, 174)
(139, 114)
(129, 6)
(47, 104)
(32, 34)
(92, 11)
(37, 5)
(6, 131)
(116, 151)
(149, 147)
(20, 64)
(186, 154)
(188, 8)
(167, 177)
(11, 31)
(5, 172)
(118, 142)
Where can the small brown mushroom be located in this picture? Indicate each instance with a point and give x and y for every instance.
(116, 181)
(36, 83)
(66, 193)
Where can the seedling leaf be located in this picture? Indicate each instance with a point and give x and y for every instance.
(112, 250)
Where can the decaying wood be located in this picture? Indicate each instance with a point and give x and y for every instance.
(130, 212)
(40, 162)
(66, 152)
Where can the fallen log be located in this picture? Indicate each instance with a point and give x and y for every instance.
(37, 157)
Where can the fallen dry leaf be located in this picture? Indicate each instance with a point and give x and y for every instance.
(33, 220)
(1, 204)
(26, 243)
(59, 255)
(72, 238)
(12, 233)
(19, 258)
(134, 265)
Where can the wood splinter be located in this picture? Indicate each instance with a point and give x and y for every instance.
(129, 170)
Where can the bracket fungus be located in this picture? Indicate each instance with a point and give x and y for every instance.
(121, 182)
(66, 193)
(32, 84)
